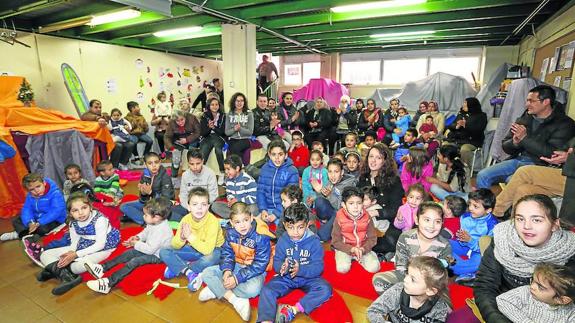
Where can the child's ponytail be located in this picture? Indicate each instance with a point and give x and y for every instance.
(451, 152)
(418, 159)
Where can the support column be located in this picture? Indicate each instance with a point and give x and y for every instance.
(239, 58)
(330, 66)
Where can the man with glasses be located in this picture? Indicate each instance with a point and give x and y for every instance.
(542, 129)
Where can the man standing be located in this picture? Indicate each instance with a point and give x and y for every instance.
(265, 70)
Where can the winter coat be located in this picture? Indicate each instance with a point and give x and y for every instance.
(365, 125)
(271, 182)
(190, 131)
(161, 186)
(308, 252)
(476, 227)
(262, 119)
(349, 232)
(553, 134)
(45, 209)
(323, 118)
(253, 251)
(472, 133)
(285, 114)
(139, 124)
(218, 130)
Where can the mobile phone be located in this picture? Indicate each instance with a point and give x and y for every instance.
(147, 178)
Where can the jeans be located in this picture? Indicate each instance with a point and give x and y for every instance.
(77, 266)
(500, 172)
(325, 211)
(178, 212)
(143, 138)
(177, 156)
(441, 193)
(189, 258)
(122, 152)
(317, 291)
(464, 266)
(134, 210)
(132, 259)
(212, 276)
(42, 230)
(215, 142)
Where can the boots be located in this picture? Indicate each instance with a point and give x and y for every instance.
(48, 272)
(68, 280)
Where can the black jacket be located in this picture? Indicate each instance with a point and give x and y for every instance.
(387, 123)
(261, 122)
(202, 99)
(493, 280)
(388, 197)
(285, 113)
(353, 117)
(553, 134)
(219, 129)
(472, 133)
(364, 125)
(323, 118)
(161, 186)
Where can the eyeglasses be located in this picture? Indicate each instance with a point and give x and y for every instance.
(533, 101)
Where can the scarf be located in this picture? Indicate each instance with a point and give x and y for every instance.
(367, 114)
(520, 259)
(412, 313)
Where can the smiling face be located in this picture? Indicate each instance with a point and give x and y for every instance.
(536, 106)
(277, 156)
(262, 102)
(334, 173)
(532, 224)
(214, 106)
(477, 209)
(375, 160)
(295, 230)
(230, 171)
(353, 206)
(239, 103)
(315, 160)
(242, 223)
(271, 104)
(108, 171)
(414, 198)
(422, 108)
(432, 107)
(198, 206)
(288, 100)
(429, 224)
(80, 211)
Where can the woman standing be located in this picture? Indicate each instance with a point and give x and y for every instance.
(213, 133)
(239, 126)
(380, 171)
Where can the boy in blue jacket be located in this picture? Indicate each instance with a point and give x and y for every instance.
(298, 261)
(276, 174)
(478, 222)
(245, 256)
(44, 209)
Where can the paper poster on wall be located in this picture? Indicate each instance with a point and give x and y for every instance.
(552, 63)
(569, 53)
(139, 63)
(7, 73)
(112, 86)
(566, 84)
(141, 82)
(544, 66)
(187, 72)
(161, 72)
(555, 59)
(557, 81)
(149, 82)
(140, 97)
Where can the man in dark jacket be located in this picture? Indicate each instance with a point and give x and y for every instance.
(266, 122)
(541, 130)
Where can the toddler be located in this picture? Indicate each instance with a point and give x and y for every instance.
(145, 247)
(318, 145)
(163, 107)
(108, 183)
(422, 297)
(428, 126)
(73, 174)
(350, 143)
(290, 195)
(402, 124)
(451, 177)
(429, 142)
(314, 178)
(119, 127)
(353, 234)
(453, 207)
(406, 214)
(372, 208)
(409, 140)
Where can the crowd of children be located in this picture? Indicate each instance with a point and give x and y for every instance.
(411, 204)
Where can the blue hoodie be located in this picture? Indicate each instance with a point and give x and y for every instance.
(271, 182)
(45, 209)
(307, 251)
(477, 227)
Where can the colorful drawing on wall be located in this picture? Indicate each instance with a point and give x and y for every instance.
(190, 87)
(140, 97)
(141, 82)
(75, 88)
(161, 72)
(202, 69)
(179, 83)
(179, 73)
(139, 63)
(149, 81)
(148, 69)
(198, 79)
(195, 70)
(170, 75)
(187, 72)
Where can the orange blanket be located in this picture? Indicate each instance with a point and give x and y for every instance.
(31, 120)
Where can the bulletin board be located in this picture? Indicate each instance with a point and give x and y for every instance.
(562, 50)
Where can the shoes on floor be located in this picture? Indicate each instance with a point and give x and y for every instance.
(96, 270)
(168, 274)
(285, 313)
(9, 236)
(206, 294)
(33, 250)
(100, 285)
(194, 281)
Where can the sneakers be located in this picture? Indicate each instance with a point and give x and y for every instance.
(466, 279)
(9, 236)
(221, 180)
(168, 274)
(123, 167)
(285, 313)
(206, 294)
(33, 250)
(194, 281)
(100, 285)
(242, 307)
(96, 270)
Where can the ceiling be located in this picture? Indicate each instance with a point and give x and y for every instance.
(292, 27)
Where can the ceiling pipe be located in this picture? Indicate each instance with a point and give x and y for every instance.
(526, 21)
(221, 15)
(29, 8)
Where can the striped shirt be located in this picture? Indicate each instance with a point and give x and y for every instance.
(109, 186)
(243, 188)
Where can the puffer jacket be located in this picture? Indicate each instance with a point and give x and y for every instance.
(261, 122)
(553, 134)
(472, 133)
(271, 182)
(45, 209)
(161, 186)
(252, 251)
(354, 232)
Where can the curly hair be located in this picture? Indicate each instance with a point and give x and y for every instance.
(387, 175)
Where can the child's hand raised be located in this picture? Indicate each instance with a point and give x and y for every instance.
(463, 236)
(326, 191)
(316, 185)
(186, 232)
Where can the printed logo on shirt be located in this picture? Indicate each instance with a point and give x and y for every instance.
(241, 118)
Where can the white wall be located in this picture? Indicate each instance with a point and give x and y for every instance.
(493, 57)
(97, 63)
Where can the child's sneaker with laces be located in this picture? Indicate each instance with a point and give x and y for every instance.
(100, 285)
(96, 270)
(168, 274)
(286, 313)
(194, 281)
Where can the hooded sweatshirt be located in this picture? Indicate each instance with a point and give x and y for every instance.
(307, 251)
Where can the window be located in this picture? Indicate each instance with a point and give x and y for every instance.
(459, 66)
(364, 72)
(401, 71)
(292, 74)
(311, 71)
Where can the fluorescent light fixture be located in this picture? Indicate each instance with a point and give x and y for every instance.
(114, 16)
(178, 31)
(424, 33)
(376, 5)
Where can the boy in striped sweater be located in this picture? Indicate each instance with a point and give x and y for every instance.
(108, 183)
(240, 187)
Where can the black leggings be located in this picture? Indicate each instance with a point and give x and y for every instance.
(160, 138)
(238, 147)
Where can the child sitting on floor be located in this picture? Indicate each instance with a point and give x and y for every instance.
(352, 162)
(240, 187)
(108, 183)
(421, 241)
(406, 214)
(416, 169)
(245, 256)
(44, 209)
(146, 247)
(197, 243)
(318, 145)
(290, 195)
(298, 261)
(314, 178)
(73, 174)
(350, 143)
(476, 223)
(453, 208)
(92, 239)
(298, 152)
(368, 142)
(451, 177)
(353, 234)
(549, 298)
(421, 297)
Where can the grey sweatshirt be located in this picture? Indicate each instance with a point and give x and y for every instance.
(246, 121)
(206, 179)
(520, 307)
(154, 238)
(335, 197)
